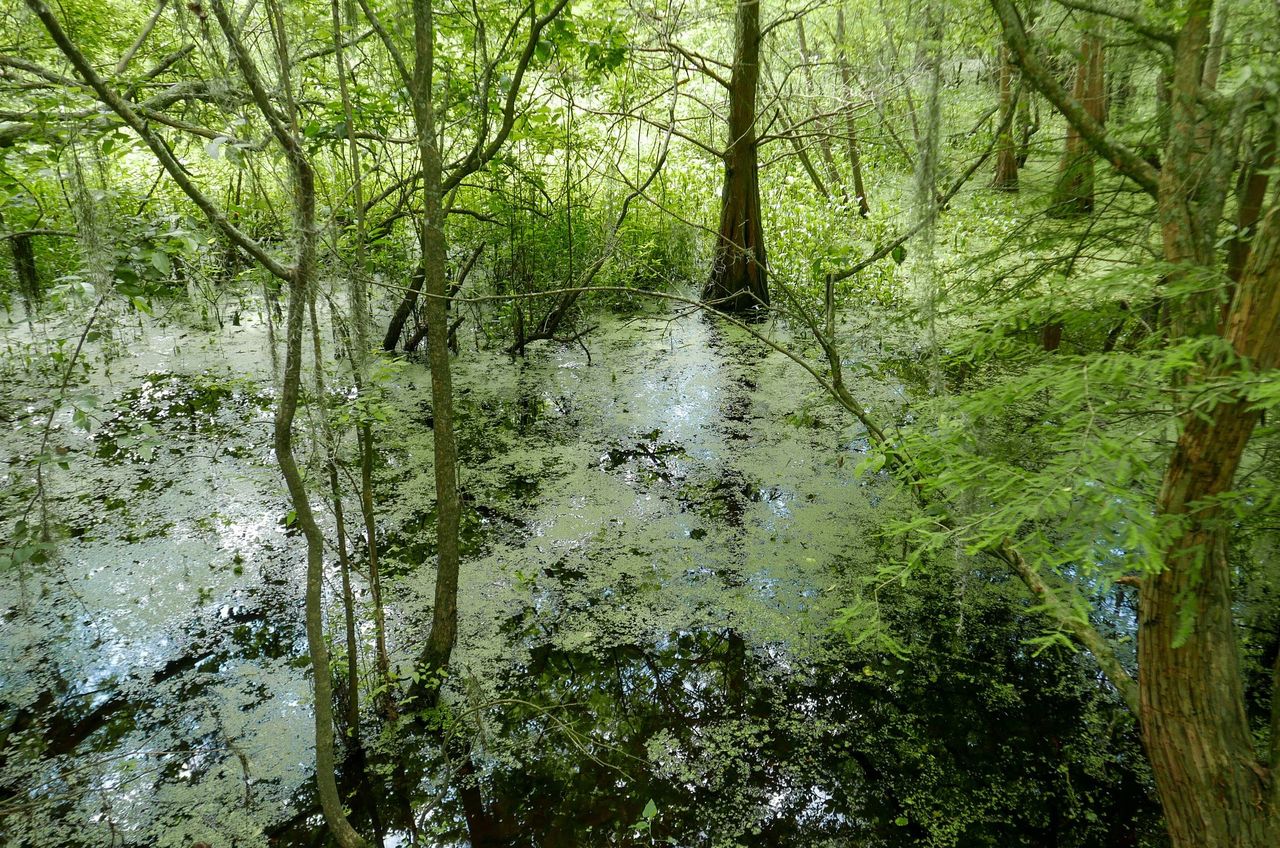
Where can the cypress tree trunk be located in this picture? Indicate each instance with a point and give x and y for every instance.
(738, 282)
(1006, 178)
(1214, 790)
(1073, 193)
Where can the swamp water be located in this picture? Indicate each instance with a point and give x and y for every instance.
(658, 542)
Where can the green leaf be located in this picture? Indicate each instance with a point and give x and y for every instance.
(870, 464)
(650, 810)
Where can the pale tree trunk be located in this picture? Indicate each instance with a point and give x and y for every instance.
(360, 370)
(300, 281)
(824, 139)
(797, 144)
(434, 657)
(738, 282)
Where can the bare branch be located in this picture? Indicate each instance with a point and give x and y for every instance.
(141, 39)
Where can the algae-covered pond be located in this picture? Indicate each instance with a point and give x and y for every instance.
(661, 536)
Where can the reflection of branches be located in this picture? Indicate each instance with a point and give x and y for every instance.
(41, 455)
(583, 743)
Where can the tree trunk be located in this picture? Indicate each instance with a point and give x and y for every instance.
(405, 308)
(738, 282)
(1027, 126)
(1073, 193)
(850, 128)
(444, 623)
(1006, 178)
(1251, 191)
(1213, 788)
(24, 268)
(1215, 791)
(797, 144)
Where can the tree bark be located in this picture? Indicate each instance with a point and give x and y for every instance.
(404, 309)
(1073, 193)
(24, 267)
(1006, 178)
(1251, 191)
(1213, 788)
(738, 282)
(435, 655)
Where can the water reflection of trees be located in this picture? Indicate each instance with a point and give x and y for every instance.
(971, 737)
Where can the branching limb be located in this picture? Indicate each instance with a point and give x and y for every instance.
(481, 153)
(1122, 157)
(117, 104)
(142, 38)
(1167, 37)
(1073, 621)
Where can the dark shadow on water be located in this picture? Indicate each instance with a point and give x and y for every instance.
(702, 739)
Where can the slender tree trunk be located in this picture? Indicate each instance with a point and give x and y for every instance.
(360, 371)
(1027, 127)
(797, 144)
(1073, 193)
(404, 309)
(850, 126)
(1006, 178)
(299, 278)
(824, 139)
(738, 282)
(317, 645)
(434, 657)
